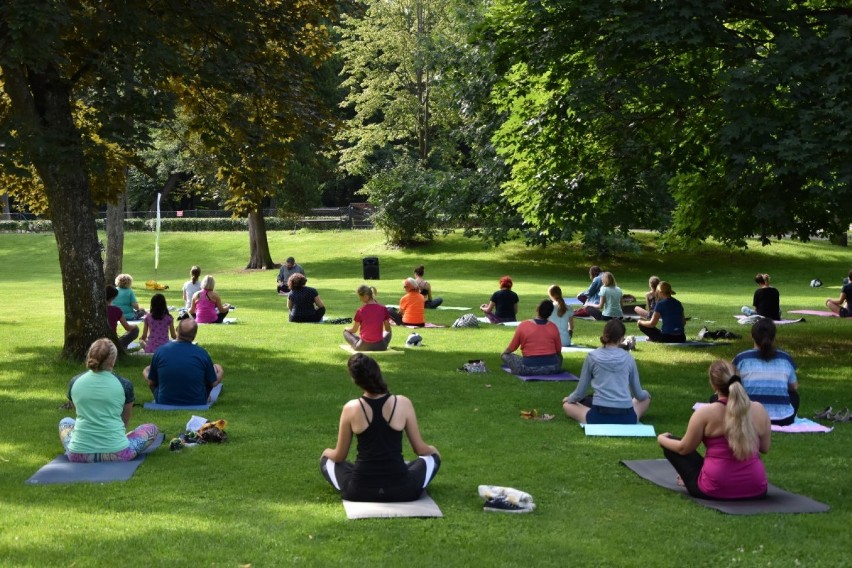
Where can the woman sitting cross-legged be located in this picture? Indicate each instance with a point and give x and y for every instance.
(378, 419)
(503, 304)
(769, 375)
(373, 320)
(303, 302)
(206, 305)
(611, 371)
(733, 429)
(540, 345)
(611, 299)
(104, 405)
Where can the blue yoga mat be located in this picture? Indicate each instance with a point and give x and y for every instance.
(214, 396)
(60, 470)
(620, 430)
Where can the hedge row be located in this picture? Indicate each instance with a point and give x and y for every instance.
(188, 224)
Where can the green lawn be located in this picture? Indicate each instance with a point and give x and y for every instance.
(260, 500)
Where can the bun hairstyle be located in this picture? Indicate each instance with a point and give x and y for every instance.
(102, 355)
(555, 293)
(544, 309)
(739, 428)
(506, 282)
(195, 273)
(419, 271)
(364, 290)
(762, 279)
(763, 334)
(613, 332)
(366, 373)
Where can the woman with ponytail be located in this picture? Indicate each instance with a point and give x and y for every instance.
(562, 316)
(733, 429)
(769, 375)
(377, 419)
(104, 404)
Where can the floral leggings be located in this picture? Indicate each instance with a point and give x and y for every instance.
(139, 439)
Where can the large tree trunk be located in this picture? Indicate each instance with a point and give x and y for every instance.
(115, 238)
(258, 243)
(40, 102)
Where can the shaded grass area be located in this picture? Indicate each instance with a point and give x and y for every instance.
(260, 499)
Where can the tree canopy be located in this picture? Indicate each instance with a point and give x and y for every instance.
(716, 119)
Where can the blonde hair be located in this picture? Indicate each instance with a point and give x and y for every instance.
(739, 428)
(208, 282)
(607, 279)
(124, 281)
(364, 290)
(102, 354)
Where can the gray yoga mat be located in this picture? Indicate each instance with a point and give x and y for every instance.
(423, 507)
(60, 470)
(660, 472)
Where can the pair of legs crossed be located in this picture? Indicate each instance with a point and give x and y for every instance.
(359, 345)
(517, 367)
(658, 336)
(408, 487)
(316, 317)
(688, 468)
(585, 412)
(140, 438)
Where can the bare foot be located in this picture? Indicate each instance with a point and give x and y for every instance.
(680, 482)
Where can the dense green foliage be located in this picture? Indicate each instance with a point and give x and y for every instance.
(712, 118)
(260, 500)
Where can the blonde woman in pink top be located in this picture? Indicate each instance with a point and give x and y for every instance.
(207, 306)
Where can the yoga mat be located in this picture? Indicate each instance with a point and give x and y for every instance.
(563, 376)
(746, 320)
(694, 343)
(626, 317)
(214, 396)
(620, 430)
(577, 349)
(802, 426)
(821, 313)
(660, 472)
(456, 308)
(60, 470)
(391, 351)
(423, 507)
(425, 326)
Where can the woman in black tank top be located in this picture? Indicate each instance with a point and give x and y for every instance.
(377, 419)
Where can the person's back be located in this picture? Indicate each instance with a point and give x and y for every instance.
(767, 381)
(125, 300)
(613, 377)
(205, 307)
(99, 398)
(563, 324)
(379, 451)
(504, 304)
(671, 312)
(767, 302)
(413, 308)
(611, 295)
(303, 303)
(184, 374)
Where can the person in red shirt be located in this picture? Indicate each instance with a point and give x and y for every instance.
(540, 345)
(373, 320)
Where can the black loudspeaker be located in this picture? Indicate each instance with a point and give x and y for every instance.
(371, 268)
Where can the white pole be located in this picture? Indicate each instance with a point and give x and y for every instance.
(157, 239)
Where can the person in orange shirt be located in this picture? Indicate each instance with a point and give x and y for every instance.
(412, 306)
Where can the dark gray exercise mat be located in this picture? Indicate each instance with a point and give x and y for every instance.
(60, 470)
(660, 472)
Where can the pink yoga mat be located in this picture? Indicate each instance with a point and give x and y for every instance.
(822, 313)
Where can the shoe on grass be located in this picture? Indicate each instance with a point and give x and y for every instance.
(501, 504)
(826, 413)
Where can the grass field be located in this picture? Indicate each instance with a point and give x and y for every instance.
(260, 500)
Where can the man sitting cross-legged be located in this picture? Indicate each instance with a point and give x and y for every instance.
(182, 373)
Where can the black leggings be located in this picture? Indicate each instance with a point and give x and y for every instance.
(408, 487)
(688, 467)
